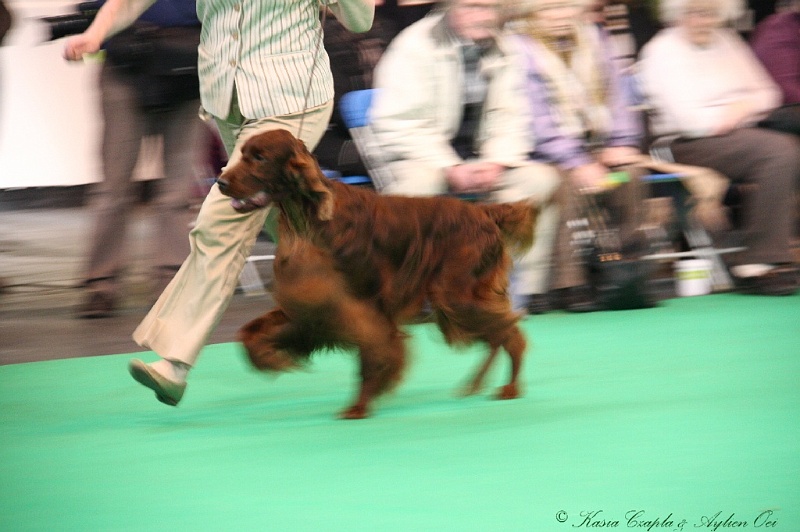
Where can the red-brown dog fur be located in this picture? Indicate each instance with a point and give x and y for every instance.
(352, 266)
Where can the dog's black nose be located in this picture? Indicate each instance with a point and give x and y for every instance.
(222, 184)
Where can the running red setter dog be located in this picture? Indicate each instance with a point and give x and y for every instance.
(351, 266)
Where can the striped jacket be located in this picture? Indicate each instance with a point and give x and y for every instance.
(270, 50)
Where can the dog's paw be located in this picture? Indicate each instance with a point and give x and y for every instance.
(354, 412)
(509, 391)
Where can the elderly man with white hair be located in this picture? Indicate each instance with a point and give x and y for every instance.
(448, 116)
(706, 86)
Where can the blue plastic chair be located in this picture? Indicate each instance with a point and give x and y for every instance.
(354, 109)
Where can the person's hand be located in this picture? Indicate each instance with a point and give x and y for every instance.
(78, 45)
(619, 156)
(589, 178)
(473, 177)
(487, 175)
(735, 114)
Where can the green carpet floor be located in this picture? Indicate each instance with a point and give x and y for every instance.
(688, 413)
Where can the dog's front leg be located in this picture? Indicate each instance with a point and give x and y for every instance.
(259, 337)
(381, 369)
(368, 389)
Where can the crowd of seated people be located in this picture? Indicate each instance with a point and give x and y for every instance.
(522, 99)
(502, 100)
(507, 101)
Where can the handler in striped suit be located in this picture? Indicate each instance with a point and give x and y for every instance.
(261, 67)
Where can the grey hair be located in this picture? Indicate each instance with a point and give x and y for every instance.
(672, 10)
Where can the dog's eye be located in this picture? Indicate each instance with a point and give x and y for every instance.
(259, 157)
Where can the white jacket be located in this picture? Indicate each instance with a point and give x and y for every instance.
(417, 108)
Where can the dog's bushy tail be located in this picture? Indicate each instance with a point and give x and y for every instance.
(517, 223)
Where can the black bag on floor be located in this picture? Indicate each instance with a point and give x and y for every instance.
(615, 268)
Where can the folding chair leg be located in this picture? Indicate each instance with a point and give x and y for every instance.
(250, 281)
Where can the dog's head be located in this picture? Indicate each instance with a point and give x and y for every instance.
(275, 166)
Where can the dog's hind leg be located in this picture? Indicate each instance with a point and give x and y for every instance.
(497, 329)
(515, 345)
(476, 383)
(483, 312)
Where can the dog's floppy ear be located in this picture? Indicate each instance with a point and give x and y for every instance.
(308, 174)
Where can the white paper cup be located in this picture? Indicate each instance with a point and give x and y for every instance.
(693, 277)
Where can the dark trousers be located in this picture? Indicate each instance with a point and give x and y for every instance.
(770, 161)
(785, 118)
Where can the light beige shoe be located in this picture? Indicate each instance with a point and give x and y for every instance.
(167, 391)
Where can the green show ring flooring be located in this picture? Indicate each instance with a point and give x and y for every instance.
(688, 413)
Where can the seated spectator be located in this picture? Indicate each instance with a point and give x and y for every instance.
(776, 42)
(449, 116)
(706, 86)
(583, 123)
